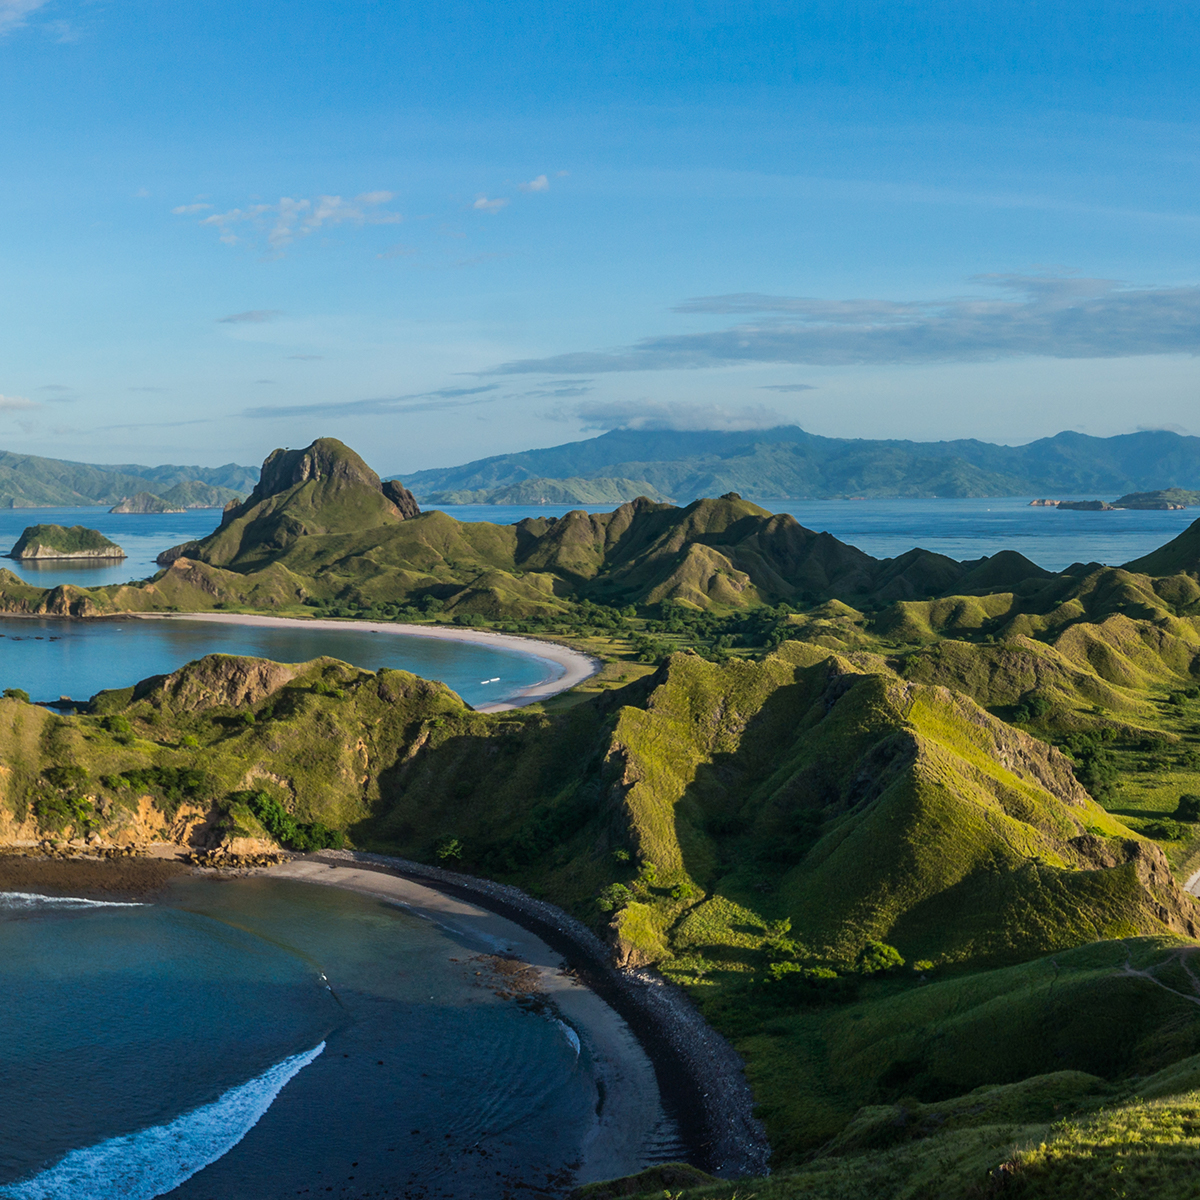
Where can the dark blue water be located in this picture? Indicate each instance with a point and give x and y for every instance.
(52, 658)
(260, 1038)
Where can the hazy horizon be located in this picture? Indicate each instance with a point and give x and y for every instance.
(459, 231)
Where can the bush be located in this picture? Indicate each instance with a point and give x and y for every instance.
(17, 694)
(1188, 808)
(120, 728)
(1032, 708)
(284, 828)
(614, 898)
(448, 849)
(1166, 830)
(876, 957)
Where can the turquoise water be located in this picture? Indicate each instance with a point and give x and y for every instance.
(259, 1038)
(142, 537)
(53, 658)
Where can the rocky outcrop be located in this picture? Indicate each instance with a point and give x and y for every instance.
(217, 680)
(402, 498)
(57, 541)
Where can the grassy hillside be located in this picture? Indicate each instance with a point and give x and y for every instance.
(27, 481)
(600, 490)
(786, 462)
(762, 831)
(910, 832)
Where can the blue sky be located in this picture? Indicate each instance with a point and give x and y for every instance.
(453, 229)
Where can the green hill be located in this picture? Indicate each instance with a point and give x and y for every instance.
(788, 463)
(553, 491)
(27, 481)
(909, 831)
(55, 541)
(756, 830)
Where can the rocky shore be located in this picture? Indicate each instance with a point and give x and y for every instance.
(700, 1075)
(114, 876)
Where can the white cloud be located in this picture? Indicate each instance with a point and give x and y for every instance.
(540, 184)
(188, 210)
(483, 204)
(14, 12)
(281, 224)
(1055, 317)
(15, 403)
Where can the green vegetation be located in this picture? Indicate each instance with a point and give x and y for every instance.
(787, 462)
(27, 481)
(554, 491)
(55, 541)
(909, 832)
(283, 827)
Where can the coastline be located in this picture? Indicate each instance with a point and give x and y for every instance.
(701, 1078)
(653, 1051)
(575, 666)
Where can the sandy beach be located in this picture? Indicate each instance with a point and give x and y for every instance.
(565, 667)
(652, 1051)
(699, 1075)
(631, 1107)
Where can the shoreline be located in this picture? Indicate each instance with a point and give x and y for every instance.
(575, 666)
(701, 1078)
(654, 1053)
(630, 1114)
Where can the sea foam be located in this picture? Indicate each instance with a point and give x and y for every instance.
(155, 1161)
(31, 900)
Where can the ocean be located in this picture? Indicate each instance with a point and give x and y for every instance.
(252, 1038)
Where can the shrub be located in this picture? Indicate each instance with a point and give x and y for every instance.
(448, 849)
(17, 694)
(614, 898)
(284, 828)
(120, 728)
(1032, 708)
(1188, 808)
(1166, 830)
(876, 957)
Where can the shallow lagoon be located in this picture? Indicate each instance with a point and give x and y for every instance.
(289, 1038)
(50, 658)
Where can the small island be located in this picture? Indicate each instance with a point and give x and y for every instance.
(57, 541)
(145, 502)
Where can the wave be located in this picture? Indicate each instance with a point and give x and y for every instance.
(28, 900)
(155, 1161)
(570, 1034)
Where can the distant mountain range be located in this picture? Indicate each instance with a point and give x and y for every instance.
(27, 481)
(786, 463)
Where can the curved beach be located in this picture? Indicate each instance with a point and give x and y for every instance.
(567, 667)
(700, 1076)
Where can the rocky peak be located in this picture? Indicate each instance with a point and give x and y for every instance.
(326, 458)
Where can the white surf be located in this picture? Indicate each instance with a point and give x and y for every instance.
(27, 900)
(155, 1161)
